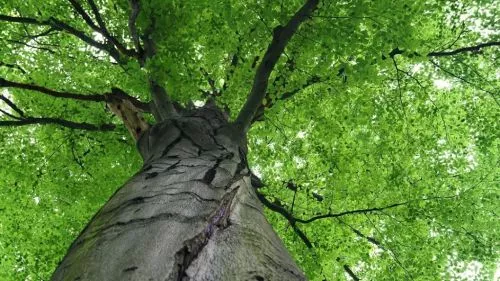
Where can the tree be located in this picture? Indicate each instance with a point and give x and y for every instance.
(367, 129)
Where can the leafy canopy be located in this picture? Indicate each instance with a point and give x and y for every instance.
(379, 139)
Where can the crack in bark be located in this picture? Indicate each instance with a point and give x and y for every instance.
(129, 269)
(210, 174)
(145, 199)
(141, 221)
(192, 247)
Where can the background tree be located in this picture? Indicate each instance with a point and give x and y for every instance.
(376, 136)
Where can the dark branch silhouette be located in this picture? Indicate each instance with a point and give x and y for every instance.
(351, 273)
(472, 49)
(62, 26)
(57, 121)
(13, 66)
(360, 234)
(281, 36)
(134, 13)
(12, 105)
(116, 93)
(101, 27)
(287, 215)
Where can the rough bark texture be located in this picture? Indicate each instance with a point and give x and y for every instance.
(189, 214)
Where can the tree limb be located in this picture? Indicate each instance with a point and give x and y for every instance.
(57, 121)
(115, 93)
(104, 30)
(473, 49)
(281, 36)
(164, 107)
(50, 92)
(360, 234)
(287, 215)
(134, 13)
(12, 105)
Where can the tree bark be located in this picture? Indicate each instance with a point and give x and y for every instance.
(189, 214)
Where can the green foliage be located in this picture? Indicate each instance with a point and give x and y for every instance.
(375, 131)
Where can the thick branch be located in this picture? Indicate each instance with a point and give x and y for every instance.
(281, 36)
(60, 122)
(476, 48)
(79, 9)
(164, 107)
(50, 92)
(116, 93)
(134, 13)
(23, 20)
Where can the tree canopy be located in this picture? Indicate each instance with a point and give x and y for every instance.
(376, 142)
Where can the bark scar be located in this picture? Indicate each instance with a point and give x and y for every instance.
(192, 247)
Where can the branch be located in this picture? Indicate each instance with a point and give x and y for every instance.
(351, 273)
(115, 93)
(23, 20)
(281, 36)
(371, 210)
(134, 13)
(104, 31)
(287, 215)
(473, 49)
(57, 121)
(50, 92)
(259, 115)
(104, 47)
(164, 107)
(358, 211)
(492, 94)
(79, 9)
(12, 105)
(360, 234)
(13, 66)
(8, 114)
(60, 25)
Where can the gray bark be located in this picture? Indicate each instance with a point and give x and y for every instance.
(189, 214)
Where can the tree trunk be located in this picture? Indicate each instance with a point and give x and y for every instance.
(189, 214)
